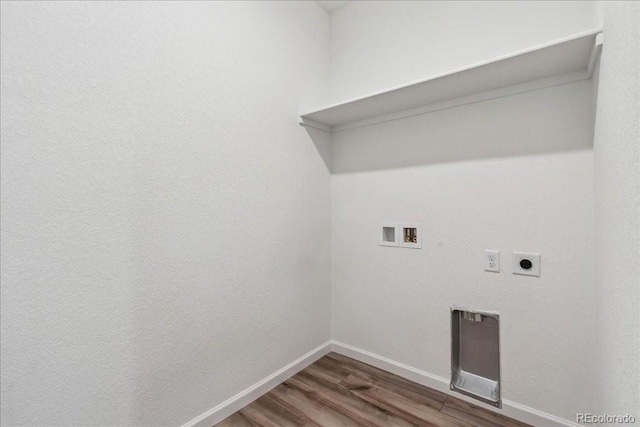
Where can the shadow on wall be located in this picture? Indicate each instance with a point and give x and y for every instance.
(554, 119)
(322, 141)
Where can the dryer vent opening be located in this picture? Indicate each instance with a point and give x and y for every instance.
(475, 354)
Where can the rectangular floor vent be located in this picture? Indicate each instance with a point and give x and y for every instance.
(475, 354)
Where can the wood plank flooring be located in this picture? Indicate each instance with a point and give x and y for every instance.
(338, 391)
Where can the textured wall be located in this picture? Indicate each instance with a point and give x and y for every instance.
(617, 211)
(165, 221)
(508, 174)
(397, 42)
(395, 302)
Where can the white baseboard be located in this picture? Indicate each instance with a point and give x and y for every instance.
(509, 409)
(237, 402)
(240, 400)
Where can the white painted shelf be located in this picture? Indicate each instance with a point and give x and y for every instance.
(573, 57)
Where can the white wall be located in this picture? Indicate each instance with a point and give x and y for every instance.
(508, 174)
(165, 221)
(617, 211)
(151, 170)
(381, 44)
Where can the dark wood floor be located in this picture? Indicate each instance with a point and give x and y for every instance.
(339, 391)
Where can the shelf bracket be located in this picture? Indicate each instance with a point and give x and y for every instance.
(595, 54)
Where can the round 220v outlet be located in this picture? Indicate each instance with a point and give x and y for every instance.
(526, 264)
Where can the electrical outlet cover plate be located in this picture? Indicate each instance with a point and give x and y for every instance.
(534, 270)
(390, 234)
(492, 260)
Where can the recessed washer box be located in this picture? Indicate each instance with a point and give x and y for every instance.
(475, 354)
(389, 234)
(411, 235)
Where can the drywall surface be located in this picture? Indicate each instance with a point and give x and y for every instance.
(617, 211)
(165, 221)
(548, 120)
(512, 174)
(380, 44)
(395, 302)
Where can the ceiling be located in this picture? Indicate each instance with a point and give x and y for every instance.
(330, 6)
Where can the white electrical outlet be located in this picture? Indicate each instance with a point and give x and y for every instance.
(492, 260)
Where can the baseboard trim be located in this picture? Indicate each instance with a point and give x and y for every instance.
(509, 409)
(240, 400)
